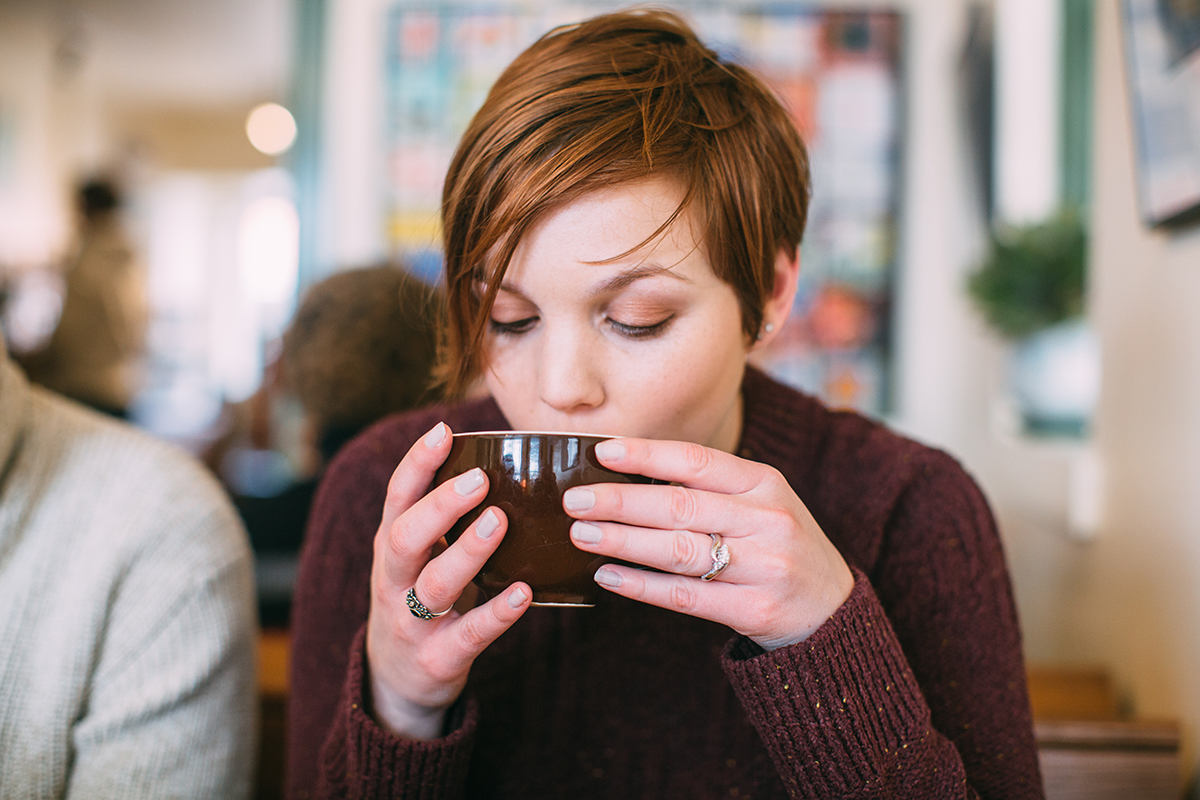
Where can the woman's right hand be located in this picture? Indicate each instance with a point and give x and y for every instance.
(418, 667)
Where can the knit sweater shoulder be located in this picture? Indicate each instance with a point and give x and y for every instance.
(915, 687)
(127, 633)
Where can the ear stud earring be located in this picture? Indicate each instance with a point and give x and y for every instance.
(768, 328)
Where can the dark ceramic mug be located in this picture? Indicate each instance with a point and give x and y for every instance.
(528, 471)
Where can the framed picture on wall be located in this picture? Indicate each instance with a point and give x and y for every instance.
(1162, 47)
(839, 74)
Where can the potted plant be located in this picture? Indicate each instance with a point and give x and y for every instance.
(1031, 289)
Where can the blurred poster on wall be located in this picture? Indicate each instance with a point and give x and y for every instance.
(837, 72)
(1163, 56)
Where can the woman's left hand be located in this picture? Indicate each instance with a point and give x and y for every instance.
(784, 577)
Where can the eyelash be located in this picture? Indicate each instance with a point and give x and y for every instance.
(640, 331)
(511, 328)
(517, 327)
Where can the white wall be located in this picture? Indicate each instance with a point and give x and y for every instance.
(352, 215)
(1135, 602)
(1028, 82)
(33, 215)
(1129, 598)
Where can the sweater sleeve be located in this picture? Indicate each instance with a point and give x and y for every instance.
(171, 706)
(335, 748)
(361, 759)
(915, 687)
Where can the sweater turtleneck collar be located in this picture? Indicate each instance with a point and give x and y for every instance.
(14, 406)
(780, 426)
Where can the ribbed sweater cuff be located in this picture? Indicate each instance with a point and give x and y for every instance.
(838, 710)
(386, 765)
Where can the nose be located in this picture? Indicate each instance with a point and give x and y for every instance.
(570, 376)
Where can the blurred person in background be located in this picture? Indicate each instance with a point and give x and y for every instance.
(127, 636)
(361, 345)
(94, 354)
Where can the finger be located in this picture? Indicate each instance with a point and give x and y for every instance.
(683, 462)
(662, 507)
(444, 578)
(714, 600)
(408, 543)
(479, 627)
(679, 552)
(412, 476)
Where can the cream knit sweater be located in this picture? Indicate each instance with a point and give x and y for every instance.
(127, 627)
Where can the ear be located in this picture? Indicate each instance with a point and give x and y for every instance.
(779, 304)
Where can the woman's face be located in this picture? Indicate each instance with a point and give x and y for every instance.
(649, 345)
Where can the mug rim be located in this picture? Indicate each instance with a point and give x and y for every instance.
(567, 434)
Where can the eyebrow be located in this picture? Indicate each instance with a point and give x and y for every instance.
(618, 281)
(636, 273)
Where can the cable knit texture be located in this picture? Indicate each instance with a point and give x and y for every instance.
(915, 687)
(127, 628)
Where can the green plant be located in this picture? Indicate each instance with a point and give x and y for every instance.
(1033, 277)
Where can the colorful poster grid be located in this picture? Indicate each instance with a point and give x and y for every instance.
(838, 73)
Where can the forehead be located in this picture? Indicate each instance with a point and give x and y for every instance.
(620, 225)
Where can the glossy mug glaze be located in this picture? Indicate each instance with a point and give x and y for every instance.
(528, 471)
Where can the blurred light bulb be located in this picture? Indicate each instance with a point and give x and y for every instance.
(271, 128)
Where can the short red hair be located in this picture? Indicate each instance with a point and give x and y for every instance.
(617, 98)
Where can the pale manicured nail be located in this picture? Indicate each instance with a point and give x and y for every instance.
(583, 532)
(610, 450)
(516, 598)
(436, 435)
(487, 525)
(606, 577)
(468, 482)
(579, 499)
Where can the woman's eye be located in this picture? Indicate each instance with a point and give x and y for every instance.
(640, 331)
(512, 328)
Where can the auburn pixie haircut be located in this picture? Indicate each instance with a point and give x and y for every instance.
(618, 98)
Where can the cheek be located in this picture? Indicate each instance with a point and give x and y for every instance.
(505, 363)
(689, 383)
(713, 349)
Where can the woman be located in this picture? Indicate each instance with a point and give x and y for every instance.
(621, 226)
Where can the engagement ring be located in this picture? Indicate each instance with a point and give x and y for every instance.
(720, 558)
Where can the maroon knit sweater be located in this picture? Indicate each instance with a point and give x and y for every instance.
(914, 688)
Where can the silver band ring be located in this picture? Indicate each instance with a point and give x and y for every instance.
(720, 558)
(418, 609)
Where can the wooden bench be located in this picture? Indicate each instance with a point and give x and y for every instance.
(1089, 750)
(274, 647)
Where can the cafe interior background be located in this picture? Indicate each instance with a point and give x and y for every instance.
(936, 126)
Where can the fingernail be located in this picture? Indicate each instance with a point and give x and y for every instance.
(610, 450)
(578, 499)
(487, 524)
(516, 599)
(583, 532)
(468, 482)
(606, 577)
(436, 435)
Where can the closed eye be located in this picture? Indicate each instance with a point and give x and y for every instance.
(512, 328)
(640, 331)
